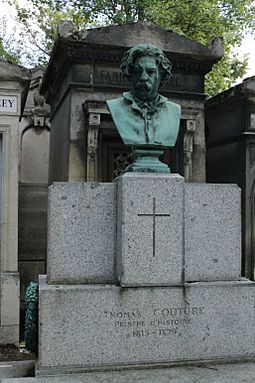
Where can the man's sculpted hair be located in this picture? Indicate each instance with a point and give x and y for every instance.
(141, 50)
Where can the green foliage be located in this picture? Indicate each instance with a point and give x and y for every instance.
(38, 23)
(224, 74)
(201, 20)
(8, 49)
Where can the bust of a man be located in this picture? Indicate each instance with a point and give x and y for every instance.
(142, 116)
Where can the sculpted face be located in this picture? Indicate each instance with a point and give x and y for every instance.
(145, 78)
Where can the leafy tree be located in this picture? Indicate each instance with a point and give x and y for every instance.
(201, 20)
(8, 48)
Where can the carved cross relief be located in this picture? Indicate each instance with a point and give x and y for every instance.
(154, 216)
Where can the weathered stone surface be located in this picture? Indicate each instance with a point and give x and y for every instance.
(82, 225)
(150, 229)
(212, 232)
(10, 295)
(81, 232)
(14, 84)
(16, 369)
(94, 326)
(231, 153)
(230, 373)
(9, 334)
(32, 222)
(9, 308)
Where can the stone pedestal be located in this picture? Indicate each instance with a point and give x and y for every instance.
(168, 232)
(229, 373)
(143, 273)
(150, 229)
(86, 327)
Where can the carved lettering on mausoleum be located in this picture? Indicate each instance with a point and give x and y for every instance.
(8, 103)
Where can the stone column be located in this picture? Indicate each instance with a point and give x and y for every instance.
(188, 148)
(92, 146)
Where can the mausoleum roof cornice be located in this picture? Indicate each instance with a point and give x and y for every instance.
(13, 72)
(18, 75)
(107, 45)
(245, 89)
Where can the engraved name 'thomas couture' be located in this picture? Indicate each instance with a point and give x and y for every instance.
(8, 103)
(164, 321)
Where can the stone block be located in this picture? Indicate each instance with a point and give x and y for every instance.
(95, 326)
(16, 369)
(150, 229)
(10, 299)
(9, 334)
(212, 232)
(230, 373)
(81, 233)
(32, 222)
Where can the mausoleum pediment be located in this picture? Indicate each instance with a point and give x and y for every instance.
(12, 72)
(16, 74)
(145, 32)
(93, 56)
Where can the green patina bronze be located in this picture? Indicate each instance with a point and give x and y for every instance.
(31, 317)
(145, 120)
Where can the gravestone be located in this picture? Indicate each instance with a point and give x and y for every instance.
(143, 273)
(134, 290)
(84, 72)
(14, 86)
(105, 306)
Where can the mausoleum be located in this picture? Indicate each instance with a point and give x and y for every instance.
(230, 132)
(14, 85)
(84, 72)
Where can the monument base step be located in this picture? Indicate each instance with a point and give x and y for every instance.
(16, 369)
(89, 327)
(228, 373)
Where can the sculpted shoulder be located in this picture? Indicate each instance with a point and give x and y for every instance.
(115, 104)
(173, 107)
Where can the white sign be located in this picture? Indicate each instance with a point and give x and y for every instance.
(8, 103)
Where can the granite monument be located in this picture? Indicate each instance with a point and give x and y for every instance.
(143, 273)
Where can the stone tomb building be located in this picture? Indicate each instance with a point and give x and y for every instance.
(230, 127)
(14, 85)
(85, 146)
(84, 72)
(34, 138)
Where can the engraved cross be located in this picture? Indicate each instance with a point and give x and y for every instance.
(154, 215)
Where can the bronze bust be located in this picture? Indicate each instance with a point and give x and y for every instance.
(144, 118)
